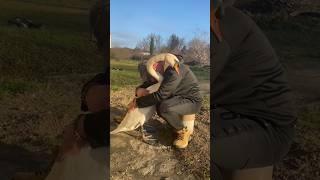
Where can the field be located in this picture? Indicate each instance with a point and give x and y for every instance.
(42, 71)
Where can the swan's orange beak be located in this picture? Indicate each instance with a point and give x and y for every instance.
(176, 68)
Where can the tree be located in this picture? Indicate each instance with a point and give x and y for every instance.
(145, 43)
(198, 51)
(152, 45)
(175, 43)
(184, 50)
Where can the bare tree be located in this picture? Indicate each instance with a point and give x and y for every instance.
(175, 44)
(145, 43)
(198, 50)
(152, 46)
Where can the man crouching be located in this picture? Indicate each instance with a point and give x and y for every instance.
(178, 99)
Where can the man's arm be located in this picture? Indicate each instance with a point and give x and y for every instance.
(94, 128)
(231, 38)
(170, 82)
(220, 52)
(144, 86)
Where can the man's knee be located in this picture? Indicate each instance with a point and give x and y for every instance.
(164, 108)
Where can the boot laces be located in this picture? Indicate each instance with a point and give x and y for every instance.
(181, 134)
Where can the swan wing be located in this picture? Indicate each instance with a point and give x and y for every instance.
(134, 119)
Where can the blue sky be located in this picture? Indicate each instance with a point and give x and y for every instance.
(132, 20)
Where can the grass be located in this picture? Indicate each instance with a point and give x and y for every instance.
(15, 86)
(62, 46)
(35, 106)
(203, 74)
(309, 116)
(294, 41)
(80, 4)
(127, 76)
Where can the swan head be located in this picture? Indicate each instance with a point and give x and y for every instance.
(171, 60)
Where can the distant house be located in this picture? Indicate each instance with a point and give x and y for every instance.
(142, 53)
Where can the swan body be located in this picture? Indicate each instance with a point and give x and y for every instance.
(87, 164)
(138, 116)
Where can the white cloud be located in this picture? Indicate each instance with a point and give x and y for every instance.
(124, 39)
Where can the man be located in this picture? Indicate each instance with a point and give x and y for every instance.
(253, 121)
(94, 126)
(178, 96)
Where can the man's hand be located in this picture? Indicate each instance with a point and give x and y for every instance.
(72, 140)
(132, 105)
(142, 92)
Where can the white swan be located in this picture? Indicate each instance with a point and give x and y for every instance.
(138, 116)
(87, 164)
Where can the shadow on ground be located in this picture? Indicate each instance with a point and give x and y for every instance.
(158, 129)
(14, 158)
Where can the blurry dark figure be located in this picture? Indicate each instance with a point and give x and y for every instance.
(91, 127)
(253, 118)
(24, 23)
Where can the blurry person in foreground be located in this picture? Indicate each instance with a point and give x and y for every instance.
(253, 117)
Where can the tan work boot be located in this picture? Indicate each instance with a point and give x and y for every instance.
(183, 137)
(188, 121)
(30, 176)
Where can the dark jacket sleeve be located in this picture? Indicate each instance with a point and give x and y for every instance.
(220, 55)
(97, 128)
(170, 82)
(232, 39)
(146, 84)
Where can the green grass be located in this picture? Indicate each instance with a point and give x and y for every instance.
(203, 74)
(62, 46)
(127, 76)
(54, 18)
(16, 86)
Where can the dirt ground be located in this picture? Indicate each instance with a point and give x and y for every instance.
(302, 161)
(131, 158)
(32, 122)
